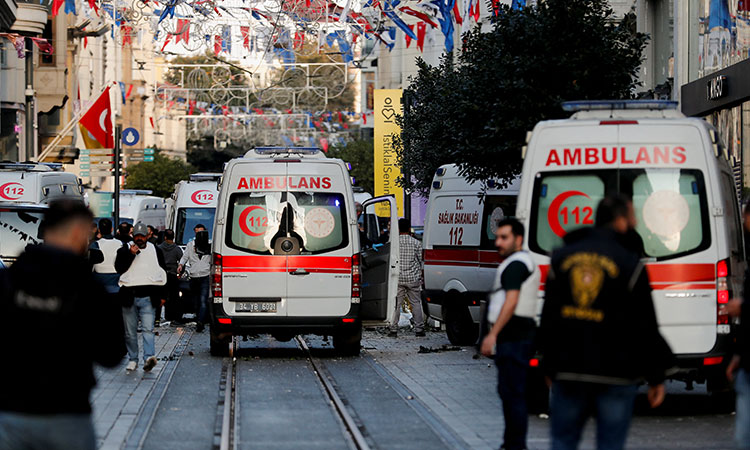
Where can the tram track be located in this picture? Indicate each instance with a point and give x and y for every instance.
(378, 389)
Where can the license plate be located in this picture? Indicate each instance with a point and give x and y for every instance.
(255, 307)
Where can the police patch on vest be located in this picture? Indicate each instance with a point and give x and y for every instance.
(586, 275)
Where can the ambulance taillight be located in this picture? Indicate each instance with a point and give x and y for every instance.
(356, 279)
(723, 294)
(216, 276)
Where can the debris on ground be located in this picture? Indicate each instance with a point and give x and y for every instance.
(444, 348)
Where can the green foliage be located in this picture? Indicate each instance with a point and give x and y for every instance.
(476, 112)
(202, 155)
(360, 155)
(159, 176)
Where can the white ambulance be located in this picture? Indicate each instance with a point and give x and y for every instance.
(138, 205)
(460, 258)
(193, 202)
(25, 189)
(287, 257)
(680, 179)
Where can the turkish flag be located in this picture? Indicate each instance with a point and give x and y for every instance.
(98, 121)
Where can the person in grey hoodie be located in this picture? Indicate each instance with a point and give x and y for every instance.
(172, 255)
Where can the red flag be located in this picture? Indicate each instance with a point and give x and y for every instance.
(151, 119)
(299, 39)
(85, 42)
(56, 4)
(183, 31)
(476, 12)
(245, 31)
(92, 5)
(457, 14)
(127, 36)
(43, 45)
(421, 29)
(192, 107)
(324, 144)
(166, 42)
(217, 44)
(364, 118)
(98, 120)
(419, 15)
(408, 38)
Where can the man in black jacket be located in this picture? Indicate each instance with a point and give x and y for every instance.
(598, 336)
(53, 332)
(142, 278)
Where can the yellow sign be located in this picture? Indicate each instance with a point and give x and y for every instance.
(387, 170)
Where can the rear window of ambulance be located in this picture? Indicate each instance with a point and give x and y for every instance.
(670, 205)
(316, 219)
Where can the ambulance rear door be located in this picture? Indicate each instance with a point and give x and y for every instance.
(320, 260)
(254, 274)
(380, 264)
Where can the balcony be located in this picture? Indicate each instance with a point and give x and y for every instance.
(31, 18)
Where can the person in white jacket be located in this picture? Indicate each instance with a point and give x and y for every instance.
(197, 259)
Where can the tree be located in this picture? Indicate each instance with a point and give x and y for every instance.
(476, 112)
(360, 155)
(160, 176)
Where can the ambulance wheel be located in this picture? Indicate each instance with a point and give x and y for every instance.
(460, 327)
(219, 346)
(348, 342)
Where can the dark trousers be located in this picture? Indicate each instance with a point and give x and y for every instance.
(173, 306)
(573, 402)
(512, 360)
(199, 290)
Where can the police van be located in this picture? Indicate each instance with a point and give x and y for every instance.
(287, 257)
(25, 189)
(460, 258)
(679, 176)
(193, 202)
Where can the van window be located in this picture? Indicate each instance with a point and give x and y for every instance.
(316, 219)
(670, 205)
(18, 229)
(188, 218)
(496, 208)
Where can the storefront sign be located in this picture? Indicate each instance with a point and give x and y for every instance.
(716, 87)
(387, 170)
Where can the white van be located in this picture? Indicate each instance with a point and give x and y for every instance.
(25, 189)
(287, 257)
(685, 198)
(193, 202)
(460, 258)
(140, 206)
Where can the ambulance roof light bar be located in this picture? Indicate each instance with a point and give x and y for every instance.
(603, 105)
(202, 176)
(280, 150)
(31, 166)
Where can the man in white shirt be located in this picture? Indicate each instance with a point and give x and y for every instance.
(105, 271)
(142, 279)
(197, 259)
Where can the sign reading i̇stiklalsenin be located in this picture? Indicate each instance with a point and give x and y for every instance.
(387, 171)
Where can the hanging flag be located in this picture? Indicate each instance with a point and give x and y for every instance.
(446, 22)
(419, 15)
(183, 31)
(408, 38)
(421, 30)
(166, 41)
(122, 91)
(151, 119)
(127, 34)
(92, 5)
(98, 120)
(130, 89)
(43, 45)
(217, 44)
(56, 4)
(88, 139)
(299, 39)
(226, 39)
(324, 144)
(457, 13)
(70, 7)
(245, 31)
(476, 12)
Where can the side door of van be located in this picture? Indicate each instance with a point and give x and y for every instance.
(380, 265)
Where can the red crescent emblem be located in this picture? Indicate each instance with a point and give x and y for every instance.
(208, 196)
(12, 196)
(554, 210)
(243, 221)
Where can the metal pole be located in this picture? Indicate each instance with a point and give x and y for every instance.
(30, 151)
(405, 98)
(116, 215)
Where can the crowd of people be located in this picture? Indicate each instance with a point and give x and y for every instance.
(598, 338)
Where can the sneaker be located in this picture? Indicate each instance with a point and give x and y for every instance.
(132, 365)
(420, 334)
(150, 363)
(199, 328)
(393, 334)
